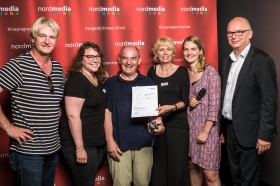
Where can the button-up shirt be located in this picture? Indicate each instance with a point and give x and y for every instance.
(235, 68)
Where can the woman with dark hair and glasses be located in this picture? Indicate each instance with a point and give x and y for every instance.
(81, 125)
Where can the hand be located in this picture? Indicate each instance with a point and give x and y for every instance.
(113, 150)
(160, 126)
(19, 134)
(81, 156)
(262, 146)
(202, 137)
(193, 102)
(164, 109)
(222, 138)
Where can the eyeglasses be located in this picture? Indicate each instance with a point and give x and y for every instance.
(237, 33)
(125, 59)
(49, 80)
(91, 57)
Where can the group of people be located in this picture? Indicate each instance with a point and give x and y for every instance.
(89, 114)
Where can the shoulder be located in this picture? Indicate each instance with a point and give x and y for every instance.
(260, 57)
(146, 79)
(75, 78)
(211, 71)
(182, 70)
(151, 69)
(111, 81)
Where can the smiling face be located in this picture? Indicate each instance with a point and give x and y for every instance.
(91, 60)
(164, 54)
(239, 43)
(44, 41)
(191, 52)
(129, 61)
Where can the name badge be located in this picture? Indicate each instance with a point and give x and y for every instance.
(164, 84)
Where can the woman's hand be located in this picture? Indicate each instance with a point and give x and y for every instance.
(202, 137)
(81, 156)
(164, 109)
(193, 102)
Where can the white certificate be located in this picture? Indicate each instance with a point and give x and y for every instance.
(144, 101)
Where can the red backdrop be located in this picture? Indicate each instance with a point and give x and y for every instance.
(111, 24)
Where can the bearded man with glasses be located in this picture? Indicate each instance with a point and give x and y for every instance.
(249, 103)
(36, 83)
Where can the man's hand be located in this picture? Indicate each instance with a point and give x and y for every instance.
(160, 127)
(262, 146)
(19, 134)
(113, 150)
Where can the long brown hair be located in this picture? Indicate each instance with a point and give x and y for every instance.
(77, 64)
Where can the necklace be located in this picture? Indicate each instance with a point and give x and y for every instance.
(95, 84)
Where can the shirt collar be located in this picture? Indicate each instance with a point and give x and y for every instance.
(243, 54)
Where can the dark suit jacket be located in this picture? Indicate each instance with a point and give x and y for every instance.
(254, 104)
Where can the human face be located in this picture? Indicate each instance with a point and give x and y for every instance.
(129, 61)
(165, 54)
(91, 60)
(191, 52)
(239, 43)
(45, 41)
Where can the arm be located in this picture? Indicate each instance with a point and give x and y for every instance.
(268, 90)
(183, 89)
(112, 147)
(214, 94)
(73, 106)
(168, 108)
(19, 134)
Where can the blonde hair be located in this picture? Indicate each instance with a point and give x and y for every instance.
(41, 22)
(166, 41)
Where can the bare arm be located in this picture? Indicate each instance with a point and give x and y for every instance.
(112, 147)
(203, 135)
(19, 134)
(73, 107)
(168, 108)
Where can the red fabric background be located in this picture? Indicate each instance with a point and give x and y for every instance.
(175, 19)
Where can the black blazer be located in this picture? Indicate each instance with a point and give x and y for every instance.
(254, 104)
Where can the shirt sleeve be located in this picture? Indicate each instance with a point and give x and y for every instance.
(76, 86)
(214, 94)
(10, 75)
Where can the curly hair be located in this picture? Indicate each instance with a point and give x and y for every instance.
(77, 62)
(201, 58)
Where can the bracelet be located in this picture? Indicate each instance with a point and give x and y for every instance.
(175, 107)
(80, 150)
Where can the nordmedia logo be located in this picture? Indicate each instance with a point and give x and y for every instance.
(64, 10)
(100, 180)
(139, 44)
(12, 10)
(114, 10)
(195, 10)
(152, 10)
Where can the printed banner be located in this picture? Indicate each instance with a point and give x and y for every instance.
(111, 24)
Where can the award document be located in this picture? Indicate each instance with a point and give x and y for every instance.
(144, 101)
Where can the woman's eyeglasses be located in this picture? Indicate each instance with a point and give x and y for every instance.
(49, 80)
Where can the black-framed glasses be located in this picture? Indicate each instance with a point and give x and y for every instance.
(49, 80)
(237, 33)
(91, 57)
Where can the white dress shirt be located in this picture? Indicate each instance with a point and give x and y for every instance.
(235, 68)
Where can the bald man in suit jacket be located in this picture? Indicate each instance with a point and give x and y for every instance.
(249, 103)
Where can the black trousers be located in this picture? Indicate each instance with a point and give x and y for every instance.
(245, 163)
(170, 158)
